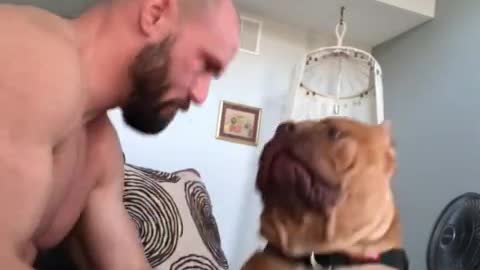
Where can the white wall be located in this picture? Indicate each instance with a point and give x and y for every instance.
(229, 171)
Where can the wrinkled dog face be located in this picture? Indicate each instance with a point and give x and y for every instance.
(315, 165)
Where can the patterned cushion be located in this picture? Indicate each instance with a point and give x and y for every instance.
(173, 215)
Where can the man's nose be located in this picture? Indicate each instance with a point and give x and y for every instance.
(200, 90)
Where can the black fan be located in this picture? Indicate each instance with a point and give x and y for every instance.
(455, 239)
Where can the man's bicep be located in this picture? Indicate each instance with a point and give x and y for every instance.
(109, 236)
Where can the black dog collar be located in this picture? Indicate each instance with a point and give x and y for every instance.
(395, 258)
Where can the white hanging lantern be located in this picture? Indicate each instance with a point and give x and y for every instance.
(338, 80)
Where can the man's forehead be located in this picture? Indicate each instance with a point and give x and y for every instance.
(226, 27)
(227, 46)
(220, 39)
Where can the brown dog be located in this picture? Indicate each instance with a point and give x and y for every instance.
(328, 203)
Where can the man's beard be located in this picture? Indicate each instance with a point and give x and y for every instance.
(144, 110)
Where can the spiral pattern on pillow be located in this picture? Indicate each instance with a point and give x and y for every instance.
(155, 214)
(193, 262)
(142, 172)
(200, 207)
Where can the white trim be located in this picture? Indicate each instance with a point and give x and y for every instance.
(379, 101)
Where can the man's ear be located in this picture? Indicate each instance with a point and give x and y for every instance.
(158, 17)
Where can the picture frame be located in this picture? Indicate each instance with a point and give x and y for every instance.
(238, 123)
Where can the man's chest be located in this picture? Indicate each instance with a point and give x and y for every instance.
(76, 169)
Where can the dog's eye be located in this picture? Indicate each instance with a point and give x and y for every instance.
(333, 133)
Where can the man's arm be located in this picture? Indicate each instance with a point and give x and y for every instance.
(40, 101)
(29, 128)
(25, 178)
(108, 236)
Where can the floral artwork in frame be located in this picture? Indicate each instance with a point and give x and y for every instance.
(238, 123)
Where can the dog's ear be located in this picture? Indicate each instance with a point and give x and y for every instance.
(344, 153)
(387, 131)
(387, 127)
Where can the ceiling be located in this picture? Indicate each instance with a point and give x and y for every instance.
(369, 22)
(66, 8)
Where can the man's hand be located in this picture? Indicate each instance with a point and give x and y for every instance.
(108, 236)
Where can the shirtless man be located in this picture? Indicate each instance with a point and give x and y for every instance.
(60, 162)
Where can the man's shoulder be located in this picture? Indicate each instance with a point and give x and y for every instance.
(38, 41)
(105, 146)
(41, 18)
(34, 22)
(40, 67)
(102, 131)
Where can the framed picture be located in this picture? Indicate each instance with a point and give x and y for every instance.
(238, 123)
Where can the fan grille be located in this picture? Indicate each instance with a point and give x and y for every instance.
(455, 240)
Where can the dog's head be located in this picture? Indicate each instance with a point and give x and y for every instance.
(326, 183)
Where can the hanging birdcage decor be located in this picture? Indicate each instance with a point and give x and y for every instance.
(338, 80)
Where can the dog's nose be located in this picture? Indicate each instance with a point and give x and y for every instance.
(285, 127)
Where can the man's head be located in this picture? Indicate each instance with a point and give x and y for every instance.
(187, 43)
